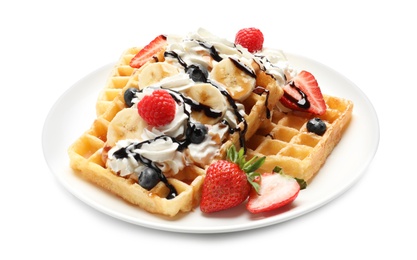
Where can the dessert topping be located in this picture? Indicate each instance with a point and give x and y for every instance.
(250, 38)
(145, 54)
(303, 93)
(158, 108)
(317, 126)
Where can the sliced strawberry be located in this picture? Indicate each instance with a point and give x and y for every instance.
(276, 190)
(145, 54)
(303, 93)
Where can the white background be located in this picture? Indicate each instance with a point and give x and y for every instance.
(47, 46)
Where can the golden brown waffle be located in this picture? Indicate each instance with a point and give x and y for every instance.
(286, 142)
(86, 154)
(116, 81)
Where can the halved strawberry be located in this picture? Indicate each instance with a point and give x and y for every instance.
(145, 54)
(303, 93)
(275, 190)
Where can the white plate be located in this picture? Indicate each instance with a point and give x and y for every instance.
(74, 112)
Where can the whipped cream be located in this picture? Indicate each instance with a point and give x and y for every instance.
(169, 147)
(195, 48)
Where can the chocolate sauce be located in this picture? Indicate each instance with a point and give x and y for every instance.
(175, 55)
(259, 91)
(184, 141)
(303, 101)
(196, 106)
(122, 153)
(212, 50)
(240, 118)
(243, 67)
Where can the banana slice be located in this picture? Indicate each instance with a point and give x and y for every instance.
(238, 78)
(154, 72)
(212, 104)
(127, 124)
(268, 82)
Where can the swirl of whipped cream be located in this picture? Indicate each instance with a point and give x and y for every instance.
(275, 63)
(202, 154)
(195, 48)
(127, 165)
(191, 47)
(163, 152)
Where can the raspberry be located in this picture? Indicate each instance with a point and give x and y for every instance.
(157, 109)
(250, 38)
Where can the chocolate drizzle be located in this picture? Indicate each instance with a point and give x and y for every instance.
(122, 153)
(259, 91)
(303, 101)
(243, 67)
(212, 50)
(183, 141)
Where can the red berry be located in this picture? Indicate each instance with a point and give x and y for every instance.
(303, 93)
(145, 54)
(250, 38)
(225, 186)
(157, 109)
(229, 182)
(276, 190)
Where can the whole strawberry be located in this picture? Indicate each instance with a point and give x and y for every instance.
(250, 38)
(157, 109)
(229, 182)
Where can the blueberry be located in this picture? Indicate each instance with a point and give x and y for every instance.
(128, 96)
(197, 73)
(148, 178)
(317, 126)
(197, 133)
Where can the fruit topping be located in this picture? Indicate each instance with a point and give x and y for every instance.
(128, 96)
(158, 108)
(197, 133)
(303, 93)
(317, 126)
(148, 178)
(145, 54)
(229, 182)
(275, 190)
(197, 72)
(250, 38)
(236, 77)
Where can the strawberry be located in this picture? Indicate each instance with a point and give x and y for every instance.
(147, 52)
(250, 38)
(157, 109)
(275, 190)
(229, 182)
(303, 93)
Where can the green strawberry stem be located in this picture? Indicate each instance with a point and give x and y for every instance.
(301, 182)
(249, 167)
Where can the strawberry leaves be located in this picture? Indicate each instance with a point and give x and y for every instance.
(249, 167)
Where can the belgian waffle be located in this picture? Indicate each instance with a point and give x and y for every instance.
(286, 143)
(86, 153)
